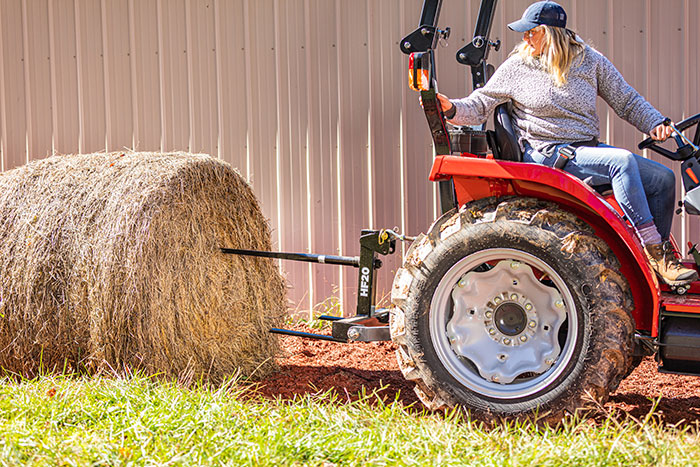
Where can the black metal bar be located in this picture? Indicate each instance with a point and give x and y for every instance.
(308, 335)
(430, 13)
(661, 369)
(476, 52)
(307, 257)
(371, 243)
(448, 199)
(329, 318)
(676, 314)
(436, 122)
(365, 281)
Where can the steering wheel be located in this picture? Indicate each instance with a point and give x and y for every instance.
(684, 150)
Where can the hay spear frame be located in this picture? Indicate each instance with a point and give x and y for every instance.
(369, 323)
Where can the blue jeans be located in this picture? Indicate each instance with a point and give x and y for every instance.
(644, 189)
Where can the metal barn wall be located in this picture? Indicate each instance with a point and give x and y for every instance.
(307, 98)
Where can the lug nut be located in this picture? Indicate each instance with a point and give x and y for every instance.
(523, 338)
(532, 324)
(492, 331)
(506, 341)
(497, 299)
(488, 314)
(514, 296)
(528, 306)
(558, 304)
(514, 264)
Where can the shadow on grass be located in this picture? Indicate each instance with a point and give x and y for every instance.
(352, 384)
(677, 411)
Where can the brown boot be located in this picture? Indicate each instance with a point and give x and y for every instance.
(667, 266)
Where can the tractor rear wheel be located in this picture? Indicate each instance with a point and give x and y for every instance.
(512, 308)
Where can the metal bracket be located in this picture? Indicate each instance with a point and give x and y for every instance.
(368, 324)
(354, 329)
(362, 328)
(426, 36)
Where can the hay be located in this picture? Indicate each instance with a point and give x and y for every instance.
(112, 261)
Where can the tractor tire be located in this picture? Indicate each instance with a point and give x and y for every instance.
(512, 308)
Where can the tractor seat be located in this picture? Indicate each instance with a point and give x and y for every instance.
(505, 143)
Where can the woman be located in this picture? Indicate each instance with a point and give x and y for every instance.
(553, 79)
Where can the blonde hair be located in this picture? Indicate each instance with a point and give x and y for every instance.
(559, 49)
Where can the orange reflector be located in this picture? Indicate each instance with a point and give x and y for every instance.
(411, 80)
(692, 175)
(418, 72)
(424, 81)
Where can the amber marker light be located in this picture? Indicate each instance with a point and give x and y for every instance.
(418, 76)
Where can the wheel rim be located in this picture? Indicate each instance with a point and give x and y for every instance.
(497, 331)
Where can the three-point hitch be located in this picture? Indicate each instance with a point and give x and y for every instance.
(369, 323)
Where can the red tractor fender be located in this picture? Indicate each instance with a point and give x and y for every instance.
(476, 178)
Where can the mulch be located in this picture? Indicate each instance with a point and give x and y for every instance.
(309, 366)
(314, 367)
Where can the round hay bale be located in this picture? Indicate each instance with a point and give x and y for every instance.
(112, 261)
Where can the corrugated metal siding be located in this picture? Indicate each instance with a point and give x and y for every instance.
(307, 98)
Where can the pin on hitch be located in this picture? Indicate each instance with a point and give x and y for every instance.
(369, 323)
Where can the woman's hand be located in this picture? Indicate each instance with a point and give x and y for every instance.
(445, 103)
(661, 132)
(448, 108)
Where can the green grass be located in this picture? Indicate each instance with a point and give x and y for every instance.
(137, 421)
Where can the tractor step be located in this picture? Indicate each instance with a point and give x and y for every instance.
(686, 304)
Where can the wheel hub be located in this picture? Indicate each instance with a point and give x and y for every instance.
(510, 318)
(506, 322)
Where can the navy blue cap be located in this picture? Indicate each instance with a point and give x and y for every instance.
(547, 13)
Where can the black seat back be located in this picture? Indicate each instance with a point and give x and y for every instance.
(506, 139)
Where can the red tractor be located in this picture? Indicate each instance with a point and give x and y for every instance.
(531, 295)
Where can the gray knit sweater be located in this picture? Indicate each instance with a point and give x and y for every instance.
(545, 114)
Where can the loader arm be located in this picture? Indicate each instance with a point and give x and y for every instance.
(420, 45)
(476, 52)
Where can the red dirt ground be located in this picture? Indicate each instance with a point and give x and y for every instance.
(308, 366)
